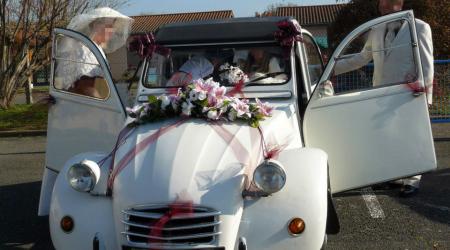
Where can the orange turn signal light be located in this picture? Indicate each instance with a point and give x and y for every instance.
(67, 224)
(296, 226)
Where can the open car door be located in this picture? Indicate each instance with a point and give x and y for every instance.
(373, 122)
(87, 114)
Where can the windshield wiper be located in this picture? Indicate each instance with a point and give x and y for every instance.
(267, 75)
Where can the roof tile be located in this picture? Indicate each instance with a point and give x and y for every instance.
(150, 23)
(311, 15)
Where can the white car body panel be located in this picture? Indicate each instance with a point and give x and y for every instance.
(78, 124)
(91, 214)
(264, 222)
(371, 135)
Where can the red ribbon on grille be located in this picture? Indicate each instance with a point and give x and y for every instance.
(175, 209)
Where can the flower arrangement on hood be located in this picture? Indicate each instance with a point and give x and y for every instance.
(201, 99)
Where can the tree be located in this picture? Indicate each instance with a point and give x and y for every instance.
(357, 12)
(25, 37)
(271, 9)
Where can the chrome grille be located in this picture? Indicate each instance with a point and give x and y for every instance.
(190, 225)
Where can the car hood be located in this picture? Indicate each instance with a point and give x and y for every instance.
(193, 154)
(197, 161)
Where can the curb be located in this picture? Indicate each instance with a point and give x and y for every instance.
(23, 133)
(442, 139)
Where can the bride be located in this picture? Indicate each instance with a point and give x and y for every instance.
(78, 70)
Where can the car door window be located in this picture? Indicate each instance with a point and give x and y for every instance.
(77, 70)
(378, 57)
(314, 60)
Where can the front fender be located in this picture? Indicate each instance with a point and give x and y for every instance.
(264, 221)
(92, 215)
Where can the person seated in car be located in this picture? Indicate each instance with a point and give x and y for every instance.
(198, 67)
(195, 68)
(260, 65)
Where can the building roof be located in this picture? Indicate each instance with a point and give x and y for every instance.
(247, 29)
(311, 15)
(150, 23)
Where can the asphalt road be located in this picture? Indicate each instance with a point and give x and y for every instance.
(370, 219)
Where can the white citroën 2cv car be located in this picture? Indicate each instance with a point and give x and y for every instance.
(211, 165)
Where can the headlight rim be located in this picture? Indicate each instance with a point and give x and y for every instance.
(279, 167)
(94, 177)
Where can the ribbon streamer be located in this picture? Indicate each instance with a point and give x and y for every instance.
(237, 89)
(131, 154)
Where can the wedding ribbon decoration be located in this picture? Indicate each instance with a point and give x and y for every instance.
(145, 45)
(239, 150)
(416, 87)
(270, 151)
(237, 89)
(177, 208)
(288, 33)
(123, 135)
(131, 154)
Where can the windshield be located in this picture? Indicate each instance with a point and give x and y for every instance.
(262, 64)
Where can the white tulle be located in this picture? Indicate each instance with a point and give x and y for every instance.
(121, 25)
(75, 63)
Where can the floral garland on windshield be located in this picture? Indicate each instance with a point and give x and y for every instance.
(201, 99)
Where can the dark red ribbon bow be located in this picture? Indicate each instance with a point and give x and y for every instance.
(145, 45)
(288, 33)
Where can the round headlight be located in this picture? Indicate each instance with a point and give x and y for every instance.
(269, 177)
(83, 176)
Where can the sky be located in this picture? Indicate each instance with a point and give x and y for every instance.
(240, 8)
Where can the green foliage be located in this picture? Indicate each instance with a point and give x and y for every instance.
(23, 117)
